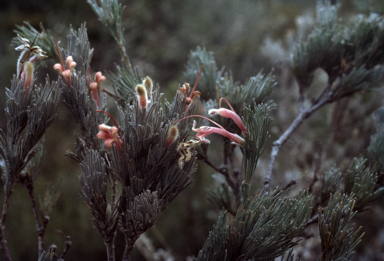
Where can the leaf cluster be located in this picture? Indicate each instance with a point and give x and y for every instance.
(351, 53)
(338, 238)
(263, 229)
(214, 84)
(31, 110)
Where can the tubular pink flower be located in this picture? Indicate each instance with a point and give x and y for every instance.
(204, 131)
(110, 135)
(94, 86)
(229, 114)
(66, 73)
(61, 69)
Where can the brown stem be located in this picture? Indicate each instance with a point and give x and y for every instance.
(4, 247)
(290, 184)
(40, 229)
(314, 219)
(228, 156)
(3, 242)
(127, 252)
(110, 250)
(68, 244)
(222, 170)
(5, 207)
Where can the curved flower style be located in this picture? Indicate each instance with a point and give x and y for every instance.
(110, 135)
(229, 114)
(204, 131)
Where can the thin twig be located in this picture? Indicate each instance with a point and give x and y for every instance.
(40, 229)
(314, 219)
(4, 246)
(68, 244)
(290, 184)
(3, 242)
(291, 129)
(222, 170)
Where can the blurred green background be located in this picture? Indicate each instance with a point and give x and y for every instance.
(246, 36)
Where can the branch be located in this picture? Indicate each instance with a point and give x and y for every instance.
(3, 242)
(40, 229)
(291, 129)
(224, 171)
(68, 244)
(314, 219)
(4, 247)
(290, 184)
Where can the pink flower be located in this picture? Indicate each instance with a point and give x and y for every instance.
(110, 135)
(94, 86)
(229, 114)
(204, 131)
(66, 73)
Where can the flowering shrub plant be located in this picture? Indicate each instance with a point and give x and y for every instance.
(133, 170)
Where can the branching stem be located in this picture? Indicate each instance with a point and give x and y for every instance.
(304, 114)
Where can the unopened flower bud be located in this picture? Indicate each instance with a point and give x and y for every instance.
(172, 135)
(28, 69)
(142, 96)
(149, 85)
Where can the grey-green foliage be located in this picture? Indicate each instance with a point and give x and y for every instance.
(338, 237)
(127, 77)
(375, 151)
(362, 182)
(147, 168)
(76, 94)
(110, 13)
(221, 195)
(94, 183)
(48, 256)
(51, 195)
(125, 80)
(257, 121)
(34, 110)
(263, 229)
(214, 84)
(255, 91)
(209, 75)
(331, 181)
(350, 53)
